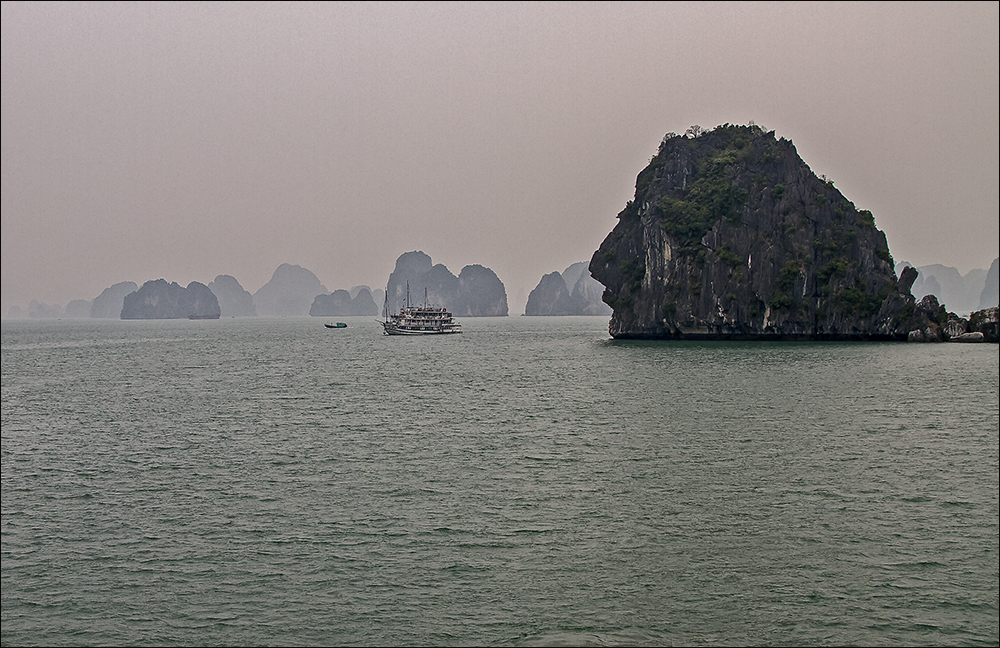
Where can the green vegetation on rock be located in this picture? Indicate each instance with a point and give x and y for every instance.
(731, 234)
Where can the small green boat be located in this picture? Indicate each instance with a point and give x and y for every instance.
(337, 325)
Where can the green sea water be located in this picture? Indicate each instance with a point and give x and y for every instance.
(528, 482)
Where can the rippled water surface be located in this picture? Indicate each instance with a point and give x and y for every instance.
(529, 482)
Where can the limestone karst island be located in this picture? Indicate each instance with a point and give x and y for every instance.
(730, 235)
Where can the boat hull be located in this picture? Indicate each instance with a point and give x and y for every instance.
(395, 330)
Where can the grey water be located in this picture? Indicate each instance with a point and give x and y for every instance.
(529, 482)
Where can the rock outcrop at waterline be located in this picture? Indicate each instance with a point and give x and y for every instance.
(732, 236)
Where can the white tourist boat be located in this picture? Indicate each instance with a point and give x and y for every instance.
(418, 320)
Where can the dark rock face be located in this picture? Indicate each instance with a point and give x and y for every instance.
(480, 293)
(339, 303)
(934, 319)
(731, 236)
(574, 292)
(201, 302)
(161, 300)
(476, 292)
(990, 331)
(413, 271)
(234, 301)
(981, 326)
(550, 297)
(291, 291)
(108, 305)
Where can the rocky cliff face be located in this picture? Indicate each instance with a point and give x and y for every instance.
(732, 236)
(161, 300)
(573, 292)
(549, 297)
(480, 293)
(476, 292)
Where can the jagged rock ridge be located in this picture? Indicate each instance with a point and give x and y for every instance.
(340, 303)
(158, 299)
(476, 292)
(731, 236)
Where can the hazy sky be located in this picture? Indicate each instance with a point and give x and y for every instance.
(186, 140)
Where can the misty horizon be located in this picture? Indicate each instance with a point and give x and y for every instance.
(967, 293)
(186, 141)
(375, 289)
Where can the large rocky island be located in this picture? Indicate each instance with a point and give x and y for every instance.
(732, 236)
(161, 300)
(290, 291)
(475, 292)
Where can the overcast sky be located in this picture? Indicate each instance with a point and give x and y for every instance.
(186, 140)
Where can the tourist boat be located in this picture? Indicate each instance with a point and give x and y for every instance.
(418, 320)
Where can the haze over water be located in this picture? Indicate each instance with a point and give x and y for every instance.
(183, 141)
(529, 482)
